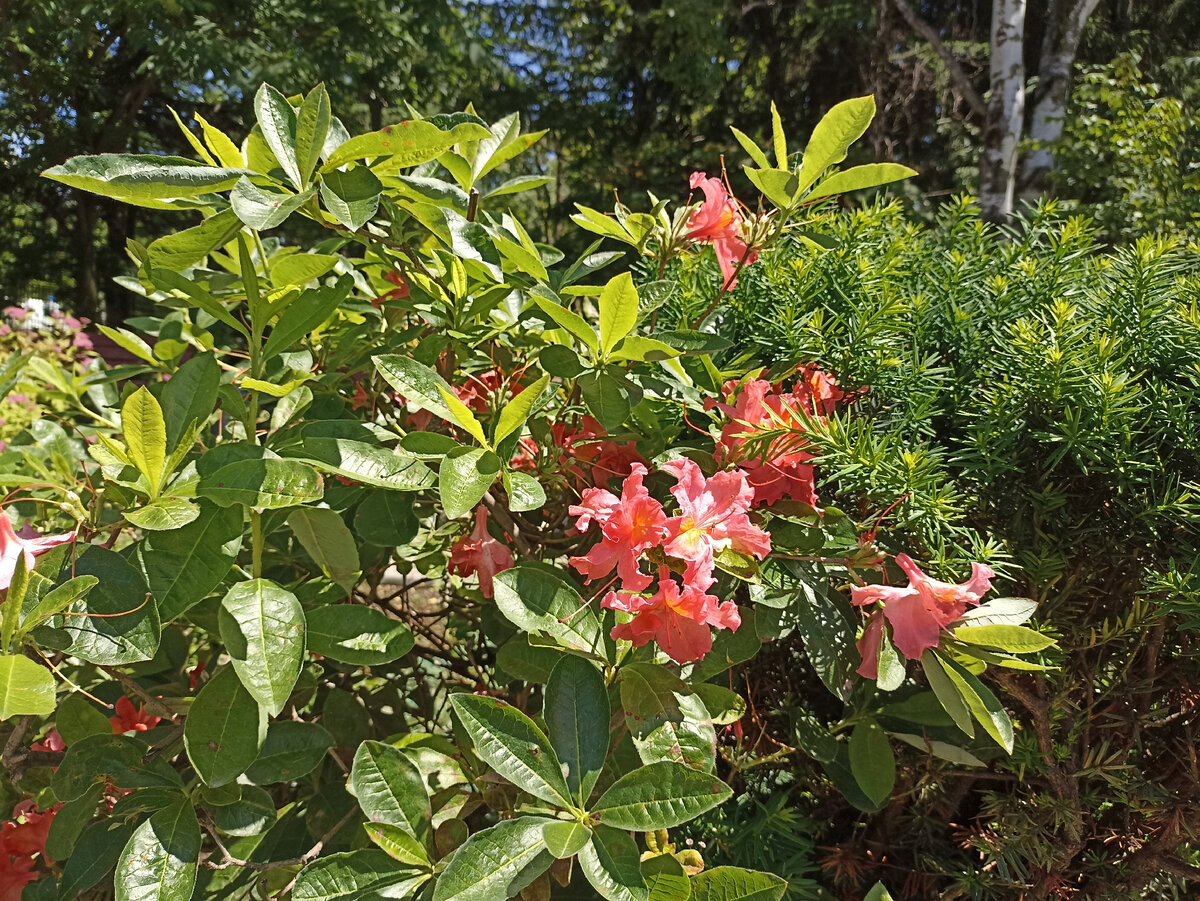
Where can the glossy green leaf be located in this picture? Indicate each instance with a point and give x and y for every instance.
(872, 761)
(188, 247)
(610, 863)
(736, 884)
(291, 750)
(184, 565)
(659, 796)
(164, 514)
(363, 462)
(398, 844)
(70, 821)
(464, 477)
(305, 314)
(517, 410)
(127, 628)
(1004, 637)
(277, 119)
(352, 196)
(402, 145)
(536, 598)
(262, 626)
(190, 396)
(312, 125)
(352, 876)
(564, 839)
(159, 862)
(461, 415)
(858, 177)
(844, 124)
(358, 635)
(267, 483)
(618, 311)
(143, 180)
(984, 705)
(524, 491)
(390, 789)
(253, 813)
(327, 539)
(567, 319)
(300, 268)
(946, 691)
(576, 714)
(605, 397)
(25, 687)
(666, 879)
(496, 863)
(386, 519)
(264, 208)
(419, 384)
(723, 705)
(95, 854)
(145, 433)
(514, 746)
(225, 729)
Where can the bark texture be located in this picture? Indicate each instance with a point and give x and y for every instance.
(1005, 112)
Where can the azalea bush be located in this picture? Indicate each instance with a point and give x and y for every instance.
(416, 560)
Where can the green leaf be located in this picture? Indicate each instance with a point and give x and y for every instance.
(825, 622)
(687, 341)
(352, 196)
(253, 813)
(267, 483)
(312, 125)
(120, 757)
(188, 247)
(164, 514)
(166, 280)
(262, 627)
(25, 687)
(263, 208)
(610, 863)
(386, 519)
(524, 491)
(684, 735)
(306, 314)
(300, 268)
(517, 410)
(496, 863)
(78, 718)
(353, 876)
(398, 844)
(358, 635)
(461, 414)
(145, 433)
(277, 119)
(1002, 637)
(618, 311)
(837, 130)
(363, 462)
(780, 141)
(403, 145)
(560, 360)
(536, 598)
(159, 862)
(143, 180)
(96, 852)
(390, 789)
(859, 177)
(190, 396)
(891, 670)
(70, 821)
(1000, 612)
(639, 349)
(327, 539)
(514, 746)
(878, 893)
(946, 692)
(872, 761)
(659, 796)
(779, 186)
(225, 729)
(983, 705)
(755, 152)
(465, 476)
(576, 713)
(418, 383)
(724, 706)
(565, 839)
(127, 627)
(183, 566)
(291, 750)
(605, 397)
(567, 319)
(666, 879)
(940, 749)
(736, 884)
(530, 662)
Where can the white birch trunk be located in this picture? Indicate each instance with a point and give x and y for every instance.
(1006, 111)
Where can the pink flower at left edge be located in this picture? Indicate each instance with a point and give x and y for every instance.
(13, 547)
(918, 612)
(480, 554)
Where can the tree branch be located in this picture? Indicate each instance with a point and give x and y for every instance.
(957, 75)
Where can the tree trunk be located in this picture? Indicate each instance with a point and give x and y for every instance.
(1064, 28)
(87, 295)
(1005, 112)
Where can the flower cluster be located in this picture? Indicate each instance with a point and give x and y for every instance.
(585, 445)
(718, 221)
(917, 613)
(480, 554)
(781, 468)
(712, 519)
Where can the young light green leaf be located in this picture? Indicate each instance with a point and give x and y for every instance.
(225, 729)
(659, 796)
(524, 491)
(464, 477)
(778, 138)
(567, 319)
(26, 688)
(755, 152)
(312, 125)
(145, 433)
(418, 383)
(1003, 637)
(1000, 612)
(517, 410)
(844, 124)
(618, 311)
(262, 626)
(983, 704)
(514, 746)
(461, 414)
(164, 514)
(858, 177)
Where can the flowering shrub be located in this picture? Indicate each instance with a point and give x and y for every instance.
(316, 551)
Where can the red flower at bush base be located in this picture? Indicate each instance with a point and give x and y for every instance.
(919, 612)
(480, 554)
(719, 222)
(679, 622)
(14, 546)
(132, 719)
(629, 525)
(712, 518)
(21, 838)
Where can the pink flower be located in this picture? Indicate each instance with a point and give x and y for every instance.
(868, 646)
(629, 525)
(919, 612)
(132, 719)
(13, 547)
(25, 834)
(82, 341)
(16, 314)
(480, 554)
(718, 222)
(679, 622)
(712, 519)
(52, 742)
